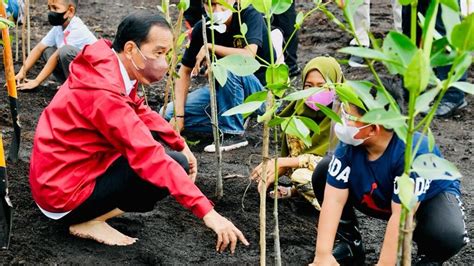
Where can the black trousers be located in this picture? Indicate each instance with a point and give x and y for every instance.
(120, 187)
(440, 231)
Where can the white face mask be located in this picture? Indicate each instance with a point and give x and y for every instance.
(347, 133)
(219, 19)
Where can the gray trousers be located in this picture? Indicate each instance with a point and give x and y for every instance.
(66, 54)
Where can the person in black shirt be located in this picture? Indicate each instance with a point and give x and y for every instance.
(192, 111)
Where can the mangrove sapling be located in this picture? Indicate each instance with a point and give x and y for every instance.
(175, 56)
(401, 55)
(277, 77)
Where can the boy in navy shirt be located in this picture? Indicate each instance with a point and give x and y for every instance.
(362, 174)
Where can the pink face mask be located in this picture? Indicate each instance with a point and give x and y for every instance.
(154, 69)
(324, 98)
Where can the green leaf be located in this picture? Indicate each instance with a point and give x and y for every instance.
(303, 94)
(299, 20)
(347, 94)
(398, 46)
(294, 127)
(4, 23)
(402, 132)
(278, 89)
(275, 121)
(379, 116)
(225, 4)
(406, 2)
(263, 6)
(267, 116)
(406, 191)
(431, 140)
(280, 6)
(220, 73)
(463, 34)
(240, 65)
(243, 29)
(418, 73)
(313, 126)
(429, 26)
(450, 19)
(329, 113)
(464, 86)
(367, 53)
(183, 4)
(244, 108)
(453, 4)
(350, 7)
(260, 96)
(423, 101)
(461, 64)
(362, 89)
(432, 167)
(277, 74)
(181, 39)
(245, 3)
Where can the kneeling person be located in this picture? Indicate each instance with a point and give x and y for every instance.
(94, 155)
(192, 111)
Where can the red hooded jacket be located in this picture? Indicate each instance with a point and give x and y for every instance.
(89, 124)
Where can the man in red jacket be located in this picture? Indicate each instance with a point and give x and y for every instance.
(95, 155)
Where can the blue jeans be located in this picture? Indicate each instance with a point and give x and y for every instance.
(197, 109)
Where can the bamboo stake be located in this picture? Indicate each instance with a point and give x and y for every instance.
(23, 42)
(28, 35)
(214, 120)
(17, 50)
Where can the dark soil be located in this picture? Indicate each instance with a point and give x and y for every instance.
(170, 234)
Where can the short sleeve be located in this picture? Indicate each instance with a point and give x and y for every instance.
(189, 57)
(255, 23)
(50, 38)
(339, 168)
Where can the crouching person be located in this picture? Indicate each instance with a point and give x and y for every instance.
(362, 174)
(94, 154)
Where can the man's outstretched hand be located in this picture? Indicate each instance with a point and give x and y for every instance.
(226, 231)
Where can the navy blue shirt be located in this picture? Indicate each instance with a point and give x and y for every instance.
(256, 34)
(371, 184)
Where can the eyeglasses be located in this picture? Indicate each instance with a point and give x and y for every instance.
(347, 116)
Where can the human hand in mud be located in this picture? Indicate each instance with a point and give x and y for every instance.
(29, 84)
(226, 231)
(200, 60)
(192, 162)
(256, 174)
(177, 123)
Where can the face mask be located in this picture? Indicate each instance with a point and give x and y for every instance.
(323, 98)
(347, 133)
(56, 19)
(154, 70)
(219, 19)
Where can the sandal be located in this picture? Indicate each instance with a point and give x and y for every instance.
(283, 192)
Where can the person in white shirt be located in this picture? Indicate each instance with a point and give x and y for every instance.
(59, 47)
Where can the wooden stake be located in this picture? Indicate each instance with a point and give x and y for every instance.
(214, 111)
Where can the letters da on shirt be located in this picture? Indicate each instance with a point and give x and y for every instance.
(335, 170)
(341, 173)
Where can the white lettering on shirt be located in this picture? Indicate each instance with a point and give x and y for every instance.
(335, 170)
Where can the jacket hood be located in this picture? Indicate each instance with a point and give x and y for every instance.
(96, 67)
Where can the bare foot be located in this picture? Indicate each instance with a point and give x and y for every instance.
(101, 232)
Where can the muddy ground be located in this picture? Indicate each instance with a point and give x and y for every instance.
(170, 234)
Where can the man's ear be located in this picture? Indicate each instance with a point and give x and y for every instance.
(375, 130)
(72, 10)
(128, 49)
